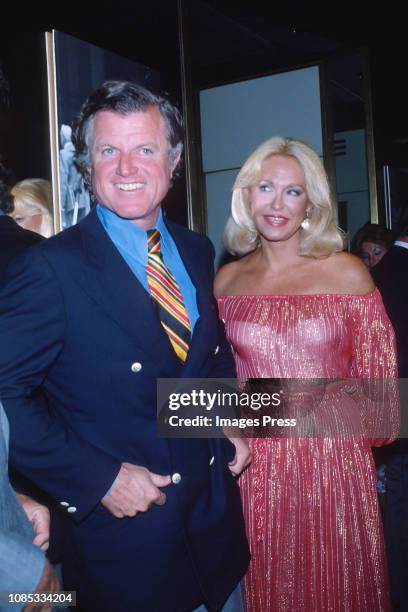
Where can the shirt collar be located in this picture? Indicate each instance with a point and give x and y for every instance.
(2, 212)
(401, 243)
(128, 236)
(164, 232)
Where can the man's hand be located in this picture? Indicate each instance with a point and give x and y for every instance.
(39, 517)
(242, 456)
(48, 584)
(134, 490)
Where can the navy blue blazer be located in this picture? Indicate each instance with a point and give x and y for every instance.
(74, 319)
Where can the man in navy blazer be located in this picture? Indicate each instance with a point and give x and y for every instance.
(155, 523)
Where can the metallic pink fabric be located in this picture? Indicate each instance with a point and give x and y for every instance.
(310, 504)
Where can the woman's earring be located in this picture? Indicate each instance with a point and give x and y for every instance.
(306, 222)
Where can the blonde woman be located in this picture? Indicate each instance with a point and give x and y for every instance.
(33, 206)
(296, 306)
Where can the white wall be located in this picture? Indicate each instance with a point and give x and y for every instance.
(352, 179)
(236, 118)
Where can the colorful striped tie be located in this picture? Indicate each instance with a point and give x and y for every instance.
(166, 293)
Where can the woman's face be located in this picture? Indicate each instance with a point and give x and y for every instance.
(371, 253)
(279, 199)
(27, 216)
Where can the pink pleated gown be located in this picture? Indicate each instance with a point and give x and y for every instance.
(310, 504)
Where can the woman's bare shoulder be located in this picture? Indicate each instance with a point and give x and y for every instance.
(224, 278)
(228, 275)
(349, 274)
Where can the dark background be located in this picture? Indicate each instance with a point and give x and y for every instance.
(228, 40)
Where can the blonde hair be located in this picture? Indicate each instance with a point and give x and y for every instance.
(321, 238)
(34, 196)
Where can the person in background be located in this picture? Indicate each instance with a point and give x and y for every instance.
(33, 206)
(296, 307)
(371, 242)
(13, 238)
(391, 278)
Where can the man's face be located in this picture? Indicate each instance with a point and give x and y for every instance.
(130, 167)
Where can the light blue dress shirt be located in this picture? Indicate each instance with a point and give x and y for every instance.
(131, 242)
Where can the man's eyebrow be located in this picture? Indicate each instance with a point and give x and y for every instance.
(147, 143)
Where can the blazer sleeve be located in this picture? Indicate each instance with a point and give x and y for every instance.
(42, 445)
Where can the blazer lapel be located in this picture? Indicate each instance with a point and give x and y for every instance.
(186, 252)
(202, 329)
(108, 280)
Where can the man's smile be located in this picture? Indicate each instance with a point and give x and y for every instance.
(129, 186)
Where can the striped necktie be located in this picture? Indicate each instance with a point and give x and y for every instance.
(166, 293)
